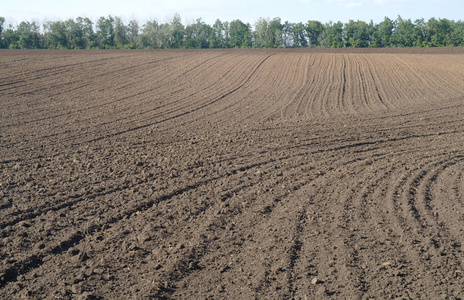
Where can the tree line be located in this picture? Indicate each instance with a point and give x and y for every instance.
(113, 33)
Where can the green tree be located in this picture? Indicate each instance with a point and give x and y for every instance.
(10, 37)
(2, 21)
(155, 35)
(240, 34)
(457, 34)
(333, 35)
(105, 32)
(217, 35)
(287, 34)
(28, 34)
(314, 30)
(384, 33)
(132, 33)
(75, 34)
(89, 35)
(373, 32)
(149, 38)
(176, 32)
(439, 32)
(268, 33)
(197, 35)
(227, 37)
(111, 32)
(120, 33)
(403, 34)
(356, 34)
(299, 35)
(58, 36)
(261, 33)
(275, 28)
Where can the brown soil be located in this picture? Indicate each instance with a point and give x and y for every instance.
(283, 174)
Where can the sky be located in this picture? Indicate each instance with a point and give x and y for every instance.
(248, 11)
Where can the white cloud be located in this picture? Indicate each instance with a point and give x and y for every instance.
(353, 4)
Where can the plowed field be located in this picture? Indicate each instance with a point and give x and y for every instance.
(241, 174)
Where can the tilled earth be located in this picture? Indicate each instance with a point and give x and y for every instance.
(241, 174)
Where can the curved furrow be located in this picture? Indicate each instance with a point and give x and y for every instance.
(359, 225)
(286, 103)
(301, 173)
(425, 84)
(379, 242)
(350, 88)
(398, 82)
(367, 261)
(152, 97)
(316, 88)
(74, 238)
(342, 219)
(435, 71)
(173, 113)
(265, 209)
(446, 237)
(79, 72)
(273, 94)
(204, 107)
(371, 95)
(366, 240)
(245, 244)
(329, 267)
(77, 237)
(413, 231)
(317, 92)
(161, 108)
(295, 107)
(98, 72)
(59, 105)
(75, 163)
(308, 97)
(375, 73)
(355, 220)
(44, 72)
(101, 222)
(248, 207)
(326, 84)
(280, 266)
(217, 85)
(255, 100)
(86, 120)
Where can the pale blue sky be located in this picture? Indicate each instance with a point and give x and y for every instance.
(246, 10)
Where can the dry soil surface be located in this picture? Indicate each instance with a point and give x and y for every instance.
(241, 174)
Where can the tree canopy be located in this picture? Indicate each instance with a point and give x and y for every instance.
(113, 33)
